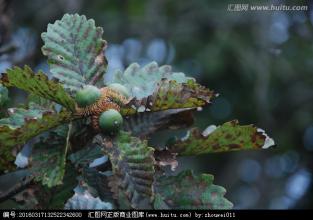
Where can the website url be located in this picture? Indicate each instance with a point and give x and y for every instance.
(247, 7)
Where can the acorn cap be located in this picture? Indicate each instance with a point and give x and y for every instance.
(120, 89)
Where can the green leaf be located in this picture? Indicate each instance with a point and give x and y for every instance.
(146, 123)
(74, 47)
(170, 94)
(49, 157)
(85, 156)
(143, 82)
(97, 182)
(4, 96)
(189, 191)
(133, 166)
(37, 84)
(24, 124)
(155, 88)
(228, 137)
(45, 103)
(58, 195)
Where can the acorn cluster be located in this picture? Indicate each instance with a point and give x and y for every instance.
(103, 106)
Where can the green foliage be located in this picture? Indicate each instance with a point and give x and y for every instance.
(74, 48)
(85, 156)
(58, 195)
(131, 174)
(188, 191)
(171, 95)
(37, 84)
(133, 166)
(49, 157)
(151, 122)
(23, 124)
(155, 88)
(228, 137)
(142, 82)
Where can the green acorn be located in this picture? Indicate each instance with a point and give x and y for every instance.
(120, 89)
(87, 96)
(110, 121)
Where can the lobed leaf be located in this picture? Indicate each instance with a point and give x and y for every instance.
(75, 51)
(133, 166)
(189, 191)
(37, 84)
(228, 137)
(142, 82)
(155, 88)
(170, 94)
(22, 125)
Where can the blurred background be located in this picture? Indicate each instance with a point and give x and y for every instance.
(260, 62)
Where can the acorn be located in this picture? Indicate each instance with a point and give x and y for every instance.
(87, 96)
(120, 89)
(110, 121)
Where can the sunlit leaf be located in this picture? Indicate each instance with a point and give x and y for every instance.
(228, 137)
(74, 47)
(37, 84)
(189, 191)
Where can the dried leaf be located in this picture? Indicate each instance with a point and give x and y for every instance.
(170, 94)
(228, 137)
